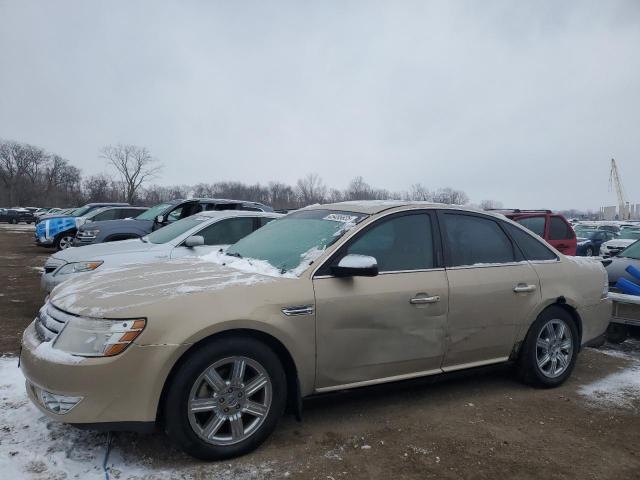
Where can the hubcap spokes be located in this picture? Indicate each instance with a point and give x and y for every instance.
(65, 242)
(554, 348)
(229, 400)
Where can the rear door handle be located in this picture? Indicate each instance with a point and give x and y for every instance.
(524, 288)
(424, 300)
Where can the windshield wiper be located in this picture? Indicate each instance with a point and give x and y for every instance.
(234, 254)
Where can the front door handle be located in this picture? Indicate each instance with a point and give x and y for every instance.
(424, 300)
(524, 288)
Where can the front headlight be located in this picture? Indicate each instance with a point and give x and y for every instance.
(98, 338)
(89, 233)
(79, 267)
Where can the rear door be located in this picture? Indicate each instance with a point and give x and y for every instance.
(492, 290)
(561, 236)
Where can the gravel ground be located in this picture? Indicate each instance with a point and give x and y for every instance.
(477, 425)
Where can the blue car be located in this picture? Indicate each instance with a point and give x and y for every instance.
(59, 231)
(590, 240)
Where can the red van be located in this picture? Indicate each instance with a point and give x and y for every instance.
(553, 227)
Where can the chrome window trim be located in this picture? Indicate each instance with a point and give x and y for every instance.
(391, 272)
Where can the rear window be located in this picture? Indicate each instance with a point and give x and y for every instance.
(474, 240)
(535, 224)
(559, 229)
(532, 248)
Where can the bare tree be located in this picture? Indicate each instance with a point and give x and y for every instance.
(311, 189)
(450, 196)
(490, 204)
(420, 193)
(134, 164)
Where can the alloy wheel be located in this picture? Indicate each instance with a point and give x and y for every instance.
(230, 400)
(554, 348)
(65, 242)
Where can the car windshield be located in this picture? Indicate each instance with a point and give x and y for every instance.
(632, 251)
(582, 232)
(78, 212)
(153, 212)
(629, 235)
(286, 242)
(173, 230)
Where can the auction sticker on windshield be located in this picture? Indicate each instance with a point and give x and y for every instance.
(338, 217)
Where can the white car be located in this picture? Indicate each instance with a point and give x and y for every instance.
(626, 237)
(196, 235)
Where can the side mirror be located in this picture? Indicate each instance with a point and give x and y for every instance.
(194, 241)
(353, 265)
(160, 219)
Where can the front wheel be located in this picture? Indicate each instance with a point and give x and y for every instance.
(64, 241)
(550, 349)
(225, 399)
(588, 252)
(617, 333)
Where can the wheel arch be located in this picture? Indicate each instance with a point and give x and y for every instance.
(294, 396)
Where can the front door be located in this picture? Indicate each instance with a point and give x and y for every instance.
(492, 290)
(389, 326)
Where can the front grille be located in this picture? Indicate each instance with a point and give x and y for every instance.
(52, 264)
(49, 269)
(50, 322)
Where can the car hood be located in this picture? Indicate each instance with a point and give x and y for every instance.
(126, 291)
(101, 250)
(617, 267)
(54, 217)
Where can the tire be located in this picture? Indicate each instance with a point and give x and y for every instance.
(588, 252)
(563, 352)
(13, 221)
(617, 333)
(63, 241)
(189, 383)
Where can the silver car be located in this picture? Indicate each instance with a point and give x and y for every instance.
(196, 235)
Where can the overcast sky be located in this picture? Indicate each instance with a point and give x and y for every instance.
(523, 102)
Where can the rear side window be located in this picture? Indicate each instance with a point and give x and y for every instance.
(399, 243)
(532, 248)
(472, 240)
(535, 224)
(227, 232)
(265, 220)
(559, 229)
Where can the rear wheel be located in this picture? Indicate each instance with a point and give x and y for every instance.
(588, 252)
(226, 399)
(13, 221)
(550, 349)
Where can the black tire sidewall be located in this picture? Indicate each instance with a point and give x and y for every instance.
(530, 372)
(176, 420)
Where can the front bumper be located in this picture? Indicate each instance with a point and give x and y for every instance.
(122, 388)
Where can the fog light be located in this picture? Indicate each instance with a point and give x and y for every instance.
(59, 404)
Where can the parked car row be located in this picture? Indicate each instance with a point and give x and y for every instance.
(215, 342)
(17, 215)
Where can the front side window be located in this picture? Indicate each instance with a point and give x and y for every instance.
(472, 240)
(559, 229)
(535, 224)
(228, 231)
(399, 243)
(297, 239)
(106, 215)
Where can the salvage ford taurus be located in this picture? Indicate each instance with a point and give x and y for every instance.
(327, 298)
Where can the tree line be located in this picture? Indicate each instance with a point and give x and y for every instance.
(30, 176)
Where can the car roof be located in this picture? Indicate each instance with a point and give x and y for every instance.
(236, 213)
(372, 207)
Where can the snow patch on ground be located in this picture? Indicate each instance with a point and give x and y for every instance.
(620, 389)
(34, 447)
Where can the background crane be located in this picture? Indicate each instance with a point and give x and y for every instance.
(615, 182)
